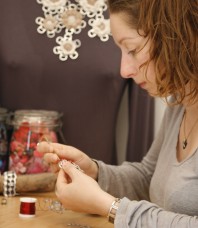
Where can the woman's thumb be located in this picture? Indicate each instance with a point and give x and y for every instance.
(69, 168)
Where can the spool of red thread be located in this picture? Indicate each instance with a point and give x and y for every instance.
(27, 207)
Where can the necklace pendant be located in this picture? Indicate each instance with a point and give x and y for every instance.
(184, 144)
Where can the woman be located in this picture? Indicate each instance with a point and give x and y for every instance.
(72, 87)
(158, 41)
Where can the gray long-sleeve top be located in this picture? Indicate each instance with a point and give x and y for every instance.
(159, 192)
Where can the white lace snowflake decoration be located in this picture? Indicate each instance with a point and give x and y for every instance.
(67, 47)
(49, 25)
(54, 6)
(92, 7)
(68, 18)
(100, 27)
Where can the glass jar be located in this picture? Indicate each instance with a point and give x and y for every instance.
(3, 140)
(29, 128)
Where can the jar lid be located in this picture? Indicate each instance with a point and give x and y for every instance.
(3, 110)
(33, 116)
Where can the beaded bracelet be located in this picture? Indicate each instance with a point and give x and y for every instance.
(9, 183)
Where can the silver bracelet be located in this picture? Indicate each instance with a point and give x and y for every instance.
(113, 210)
(9, 183)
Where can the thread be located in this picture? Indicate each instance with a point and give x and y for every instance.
(27, 207)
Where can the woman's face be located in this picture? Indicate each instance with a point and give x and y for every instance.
(135, 52)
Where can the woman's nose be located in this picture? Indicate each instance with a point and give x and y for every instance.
(128, 68)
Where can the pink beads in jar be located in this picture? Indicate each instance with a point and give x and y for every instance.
(29, 128)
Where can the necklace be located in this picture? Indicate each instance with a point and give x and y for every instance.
(185, 140)
(67, 18)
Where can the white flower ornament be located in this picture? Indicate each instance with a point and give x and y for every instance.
(71, 19)
(92, 7)
(55, 6)
(67, 47)
(48, 24)
(67, 16)
(100, 27)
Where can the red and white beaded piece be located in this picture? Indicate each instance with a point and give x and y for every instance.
(9, 183)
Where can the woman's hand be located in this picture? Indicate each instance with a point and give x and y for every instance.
(55, 152)
(79, 192)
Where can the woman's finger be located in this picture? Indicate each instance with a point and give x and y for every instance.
(62, 151)
(72, 170)
(51, 158)
(44, 147)
(62, 178)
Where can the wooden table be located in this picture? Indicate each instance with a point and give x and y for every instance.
(46, 218)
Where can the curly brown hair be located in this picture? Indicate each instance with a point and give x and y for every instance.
(172, 26)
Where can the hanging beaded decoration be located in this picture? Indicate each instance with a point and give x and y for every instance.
(69, 16)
